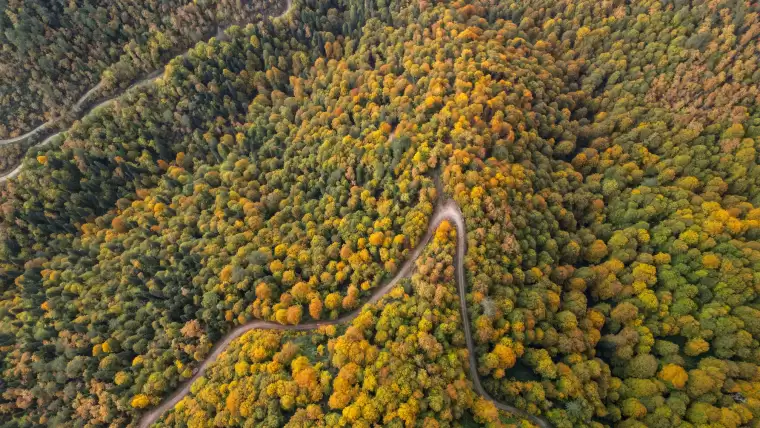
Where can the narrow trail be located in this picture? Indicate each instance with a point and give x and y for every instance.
(83, 99)
(14, 172)
(447, 210)
(87, 95)
(147, 80)
(29, 134)
(144, 82)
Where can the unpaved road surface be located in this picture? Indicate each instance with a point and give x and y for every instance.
(447, 210)
(150, 78)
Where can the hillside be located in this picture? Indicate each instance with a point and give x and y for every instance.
(272, 193)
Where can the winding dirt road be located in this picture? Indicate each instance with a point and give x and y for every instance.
(29, 134)
(150, 78)
(83, 99)
(447, 210)
(144, 82)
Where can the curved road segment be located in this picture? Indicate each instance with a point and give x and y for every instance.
(152, 77)
(51, 122)
(447, 210)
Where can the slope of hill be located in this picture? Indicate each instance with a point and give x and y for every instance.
(604, 157)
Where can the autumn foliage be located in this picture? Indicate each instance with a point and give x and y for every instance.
(604, 156)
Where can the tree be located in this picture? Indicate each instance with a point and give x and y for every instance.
(675, 376)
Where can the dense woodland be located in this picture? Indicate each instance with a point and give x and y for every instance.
(402, 362)
(604, 155)
(55, 51)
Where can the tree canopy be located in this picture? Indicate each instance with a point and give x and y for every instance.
(604, 156)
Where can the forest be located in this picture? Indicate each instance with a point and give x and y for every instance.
(603, 155)
(367, 372)
(62, 57)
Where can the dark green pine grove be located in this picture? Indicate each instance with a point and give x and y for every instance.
(604, 156)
